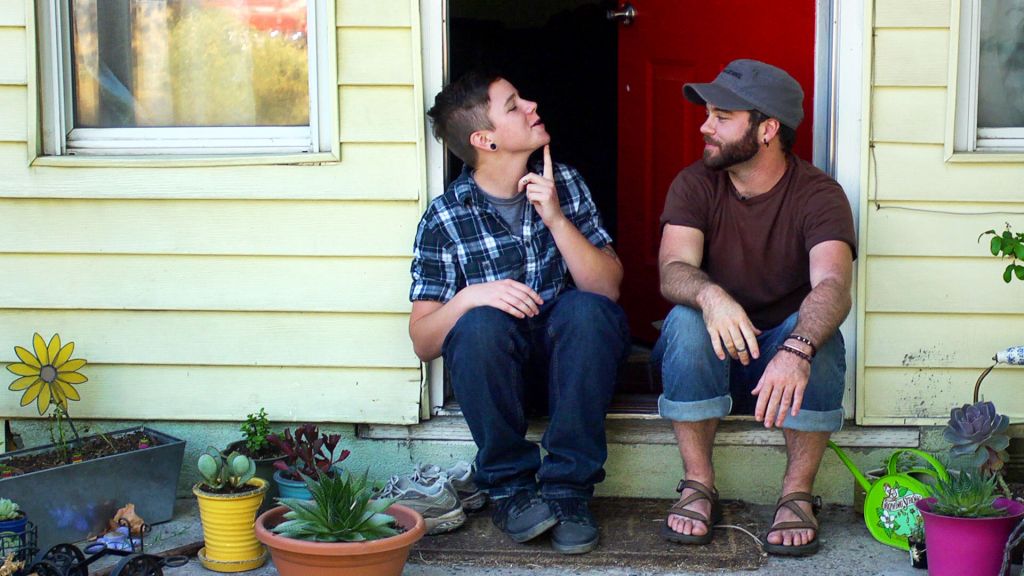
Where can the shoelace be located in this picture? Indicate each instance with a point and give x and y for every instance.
(571, 510)
(390, 489)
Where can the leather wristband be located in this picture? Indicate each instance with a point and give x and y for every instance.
(805, 340)
(793, 350)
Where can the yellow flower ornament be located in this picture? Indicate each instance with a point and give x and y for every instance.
(47, 377)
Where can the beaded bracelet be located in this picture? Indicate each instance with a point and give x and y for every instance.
(793, 350)
(805, 340)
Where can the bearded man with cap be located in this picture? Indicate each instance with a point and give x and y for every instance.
(757, 252)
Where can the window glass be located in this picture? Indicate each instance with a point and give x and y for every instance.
(1001, 64)
(189, 63)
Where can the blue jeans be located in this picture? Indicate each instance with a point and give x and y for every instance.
(495, 360)
(697, 385)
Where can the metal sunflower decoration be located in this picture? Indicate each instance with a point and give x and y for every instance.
(47, 376)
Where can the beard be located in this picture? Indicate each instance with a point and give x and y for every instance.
(732, 153)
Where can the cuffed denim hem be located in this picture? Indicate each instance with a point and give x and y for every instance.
(815, 421)
(553, 491)
(695, 411)
(506, 490)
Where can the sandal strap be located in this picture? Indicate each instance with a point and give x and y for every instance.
(789, 501)
(700, 492)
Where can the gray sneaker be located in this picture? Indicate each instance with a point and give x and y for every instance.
(461, 478)
(438, 503)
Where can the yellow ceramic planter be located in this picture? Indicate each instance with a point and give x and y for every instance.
(228, 528)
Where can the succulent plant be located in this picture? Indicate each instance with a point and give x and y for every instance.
(309, 452)
(979, 432)
(8, 509)
(342, 510)
(222, 473)
(969, 494)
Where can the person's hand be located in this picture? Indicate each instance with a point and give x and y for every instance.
(510, 296)
(541, 192)
(781, 389)
(730, 329)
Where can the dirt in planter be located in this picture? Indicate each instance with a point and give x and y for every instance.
(89, 448)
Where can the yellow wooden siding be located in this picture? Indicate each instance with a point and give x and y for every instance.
(289, 394)
(15, 60)
(368, 171)
(911, 13)
(12, 13)
(13, 113)
(375, 13)
(256, 283)
(914, 115)
(198, 292)
(908, 57)
(918, 173)
(375, 56)
(934, 307)
(212, 228)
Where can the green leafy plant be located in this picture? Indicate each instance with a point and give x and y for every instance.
(1008, 245)
(225, 473)
(255, 430)
(342, 510)
(969, 494)
(309, 452)
(8, 509)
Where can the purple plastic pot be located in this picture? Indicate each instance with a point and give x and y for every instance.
(956, 543)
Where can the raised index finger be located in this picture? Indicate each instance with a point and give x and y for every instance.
(548, 171)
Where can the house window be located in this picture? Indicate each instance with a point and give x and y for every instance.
(990, 76)
(207, 77)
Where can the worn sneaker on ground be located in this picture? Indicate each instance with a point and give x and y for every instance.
(523, 516)
(438, 504)
(576, 532)
(461, 477)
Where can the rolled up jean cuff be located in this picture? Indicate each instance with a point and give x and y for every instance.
(815, 420)
(695, 411)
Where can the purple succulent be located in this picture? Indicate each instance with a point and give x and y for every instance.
(308, 452)
(979, 431)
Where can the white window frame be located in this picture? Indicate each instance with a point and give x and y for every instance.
(60, 138)
(968, 137)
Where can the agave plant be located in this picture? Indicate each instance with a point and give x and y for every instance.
(977, 431)
(968, 494)
(342, 510)
(225, 473)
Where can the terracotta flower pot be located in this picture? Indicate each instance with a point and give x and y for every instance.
(230, 543)
(384, 557)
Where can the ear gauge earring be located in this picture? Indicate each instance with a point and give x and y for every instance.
(494, 146)
(765, 142)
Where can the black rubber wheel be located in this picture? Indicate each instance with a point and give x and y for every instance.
(138, 565)
(68, 559)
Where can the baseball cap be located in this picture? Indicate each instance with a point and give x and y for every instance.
(752, 85)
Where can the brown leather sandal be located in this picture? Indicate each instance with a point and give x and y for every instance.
(700, 492)
(805, 523)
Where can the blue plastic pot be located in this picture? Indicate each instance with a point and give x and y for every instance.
(291, 488)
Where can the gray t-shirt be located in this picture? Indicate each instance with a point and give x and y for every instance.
(511, 211)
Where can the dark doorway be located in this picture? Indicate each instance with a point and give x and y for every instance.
(560, 53)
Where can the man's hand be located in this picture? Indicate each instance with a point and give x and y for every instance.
(541, 192)
(510, 296)
(781, 389)
(728, 325)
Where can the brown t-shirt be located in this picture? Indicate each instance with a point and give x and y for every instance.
(757, 249)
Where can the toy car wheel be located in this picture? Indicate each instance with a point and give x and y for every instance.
(68, 559)
(138, 565)
(45, 568)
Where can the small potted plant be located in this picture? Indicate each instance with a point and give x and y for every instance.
(342, 531)
(256, 445)
(229, 497)
(308, 452)
(966, 523)
(13, 525)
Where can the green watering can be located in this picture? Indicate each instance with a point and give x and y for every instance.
(889, 510)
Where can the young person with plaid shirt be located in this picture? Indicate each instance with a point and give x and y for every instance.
(514, 283)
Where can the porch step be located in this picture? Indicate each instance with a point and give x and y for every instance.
(623, 429)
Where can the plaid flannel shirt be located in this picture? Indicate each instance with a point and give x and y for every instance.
(462, 240)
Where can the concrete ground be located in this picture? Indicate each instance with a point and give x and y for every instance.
(847, 549)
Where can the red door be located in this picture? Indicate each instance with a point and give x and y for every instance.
(669, 43)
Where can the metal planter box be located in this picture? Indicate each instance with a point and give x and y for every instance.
(70, 502)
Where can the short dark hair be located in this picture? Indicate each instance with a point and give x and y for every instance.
(787, 135)
(460, 109)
